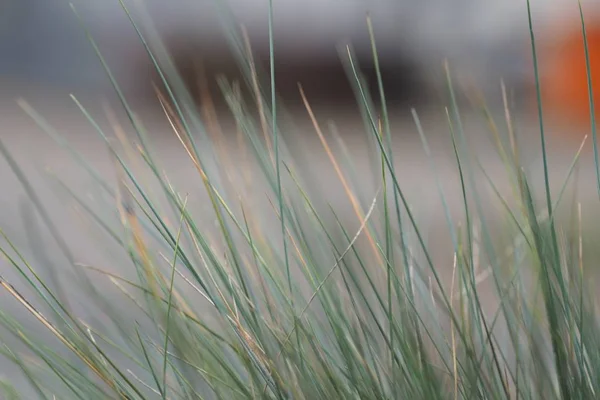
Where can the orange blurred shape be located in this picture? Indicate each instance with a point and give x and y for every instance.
(564, 77)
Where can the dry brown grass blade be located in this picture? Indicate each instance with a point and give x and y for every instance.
(209, 112)
(177, 128)
(289, 235)
(172, 117)
(126, 208)
(357, 209)
(40, 317)
(257, 95)
(332, 270)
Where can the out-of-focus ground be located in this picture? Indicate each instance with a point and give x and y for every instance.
(44, 65)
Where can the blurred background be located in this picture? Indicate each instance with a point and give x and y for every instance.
(43, 43)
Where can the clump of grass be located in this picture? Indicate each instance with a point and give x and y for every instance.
(310, 309)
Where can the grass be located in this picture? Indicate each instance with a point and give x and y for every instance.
(312, 309)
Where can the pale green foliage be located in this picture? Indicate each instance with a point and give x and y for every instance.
(310, 310)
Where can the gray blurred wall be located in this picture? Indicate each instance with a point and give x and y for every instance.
(41, 40)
